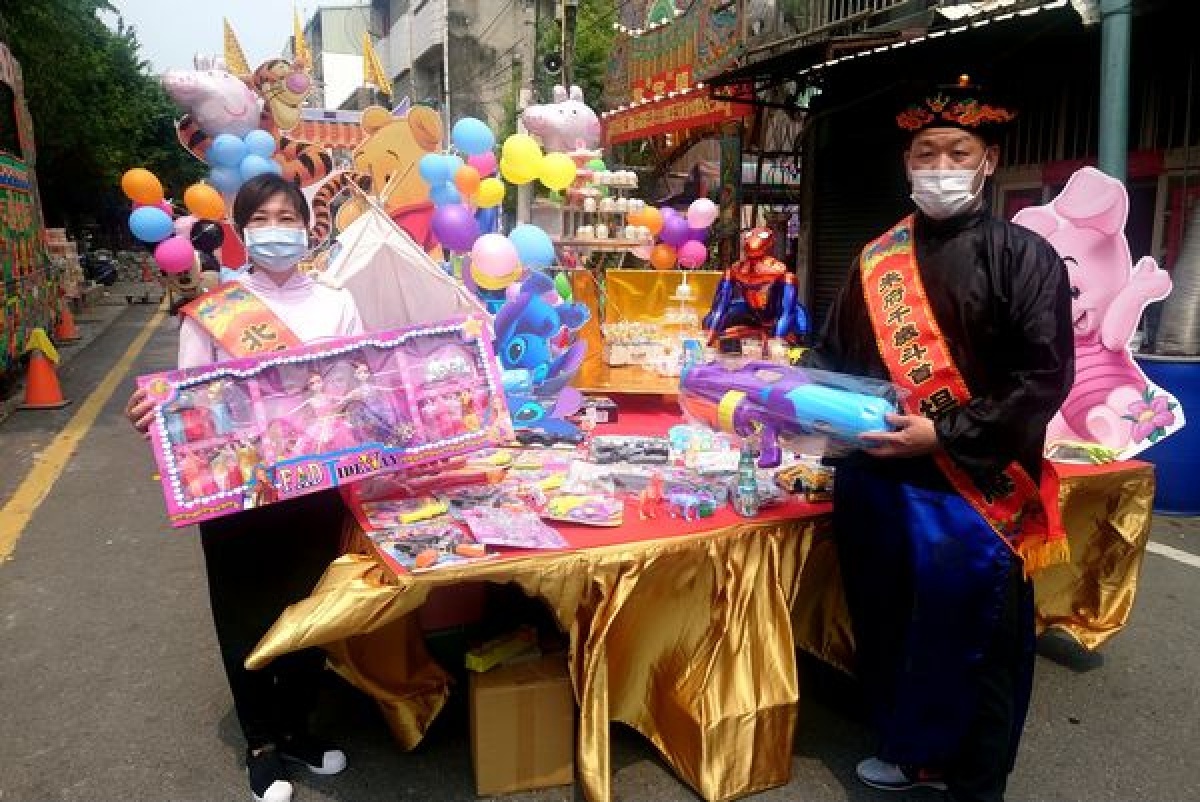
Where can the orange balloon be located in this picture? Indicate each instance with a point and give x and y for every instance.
(204, 202)
(142, 186)
(652, 219)
(662, 256)
(637, 217)
(467, 180)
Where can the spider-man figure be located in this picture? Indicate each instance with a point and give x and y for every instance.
(757, 296)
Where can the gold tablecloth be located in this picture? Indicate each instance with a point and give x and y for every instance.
(691, 640)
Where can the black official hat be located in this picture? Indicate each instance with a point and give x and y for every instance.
(959, 105)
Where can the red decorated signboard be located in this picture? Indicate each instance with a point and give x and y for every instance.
(29, 286)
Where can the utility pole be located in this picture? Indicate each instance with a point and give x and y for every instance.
(568, 10)
(1115, 33)
(528, 78)
(446, 70)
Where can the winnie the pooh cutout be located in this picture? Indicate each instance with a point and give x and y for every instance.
(1112, 403)
(384, 166)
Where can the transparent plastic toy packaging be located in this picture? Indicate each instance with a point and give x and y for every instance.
(250, 432)
(805, 410)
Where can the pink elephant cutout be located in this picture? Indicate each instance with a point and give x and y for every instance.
(1112, 402)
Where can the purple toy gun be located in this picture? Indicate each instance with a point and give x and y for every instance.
(767, 400)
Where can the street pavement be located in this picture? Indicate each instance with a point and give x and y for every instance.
(111, 687)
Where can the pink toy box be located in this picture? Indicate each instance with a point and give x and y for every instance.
(254, 431)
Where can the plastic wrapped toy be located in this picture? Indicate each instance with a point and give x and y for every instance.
(765, 400)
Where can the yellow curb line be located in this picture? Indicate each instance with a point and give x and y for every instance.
(52, 461)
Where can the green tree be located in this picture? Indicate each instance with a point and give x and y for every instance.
(593, 47)
(96, 109)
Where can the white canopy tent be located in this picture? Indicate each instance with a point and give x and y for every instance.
(395, 283)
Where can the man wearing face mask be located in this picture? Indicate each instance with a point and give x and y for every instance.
(260, 561)
(939, 522)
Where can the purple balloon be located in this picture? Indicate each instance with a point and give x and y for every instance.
(698, 234)
(455, 227)
(674, 230)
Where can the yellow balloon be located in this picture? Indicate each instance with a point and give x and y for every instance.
(557, 171)
(521, 149)
(518, 172)
(490, 193)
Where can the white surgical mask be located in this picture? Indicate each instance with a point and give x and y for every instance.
(276, 249)
(942, 194)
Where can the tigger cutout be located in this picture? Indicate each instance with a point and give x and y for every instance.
(385, 165)
(279, 88)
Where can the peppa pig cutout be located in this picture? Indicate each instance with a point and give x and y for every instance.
(1112, 403)
(566, 125)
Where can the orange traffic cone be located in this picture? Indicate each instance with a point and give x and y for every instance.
(42, 390)
(65, 330)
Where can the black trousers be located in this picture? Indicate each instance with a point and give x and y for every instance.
(259, 562)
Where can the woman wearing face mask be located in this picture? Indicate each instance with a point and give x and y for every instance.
(939, 522)
(262, 560)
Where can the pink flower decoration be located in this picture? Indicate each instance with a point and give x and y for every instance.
(1147, 417)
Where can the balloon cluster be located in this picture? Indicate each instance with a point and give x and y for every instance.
(235, 159)
(153, 220)
(468, 182)
(680, 238)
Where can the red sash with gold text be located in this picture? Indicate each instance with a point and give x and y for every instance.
(240, 322)
(919, 362)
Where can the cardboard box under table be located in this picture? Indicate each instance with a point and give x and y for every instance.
(523, 726)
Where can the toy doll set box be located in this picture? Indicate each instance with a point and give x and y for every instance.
(250, 432)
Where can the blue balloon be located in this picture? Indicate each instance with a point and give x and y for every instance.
(453, 163)
(534, 247)
(434, 169)
(260, 143)
(444, 194)
(254, 165)
(227, 180)
(226, 151)
(151, 224)
(472, 136)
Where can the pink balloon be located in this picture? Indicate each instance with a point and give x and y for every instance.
(692, 253)
(493, 255)
(175, 254)
(643, 251)
(183, 226)
(165, 205)
(485, 163)
(702, 213)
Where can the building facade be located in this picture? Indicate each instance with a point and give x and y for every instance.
(334, 35)
(480, 44)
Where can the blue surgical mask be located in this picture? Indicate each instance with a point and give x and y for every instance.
(276, 249)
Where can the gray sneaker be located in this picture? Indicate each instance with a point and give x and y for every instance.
(890, 777)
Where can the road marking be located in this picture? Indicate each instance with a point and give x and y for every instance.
(1172, 553)
(52, 461)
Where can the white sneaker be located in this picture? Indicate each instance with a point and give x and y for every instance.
(267, 777)
(890, 777)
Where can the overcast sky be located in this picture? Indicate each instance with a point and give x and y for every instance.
(172, 31)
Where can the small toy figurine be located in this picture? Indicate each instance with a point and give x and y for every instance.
(197, 476)
(757, 297)
(247, 457)
(368, 414)
(218, 408)
(225, 471)
(279, 441)
(690, 506)
(470, 418)
(328, 430)
(651, 498)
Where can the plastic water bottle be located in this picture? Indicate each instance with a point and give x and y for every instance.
(745, 495)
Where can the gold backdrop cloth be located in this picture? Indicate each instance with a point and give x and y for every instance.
(690, 640)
